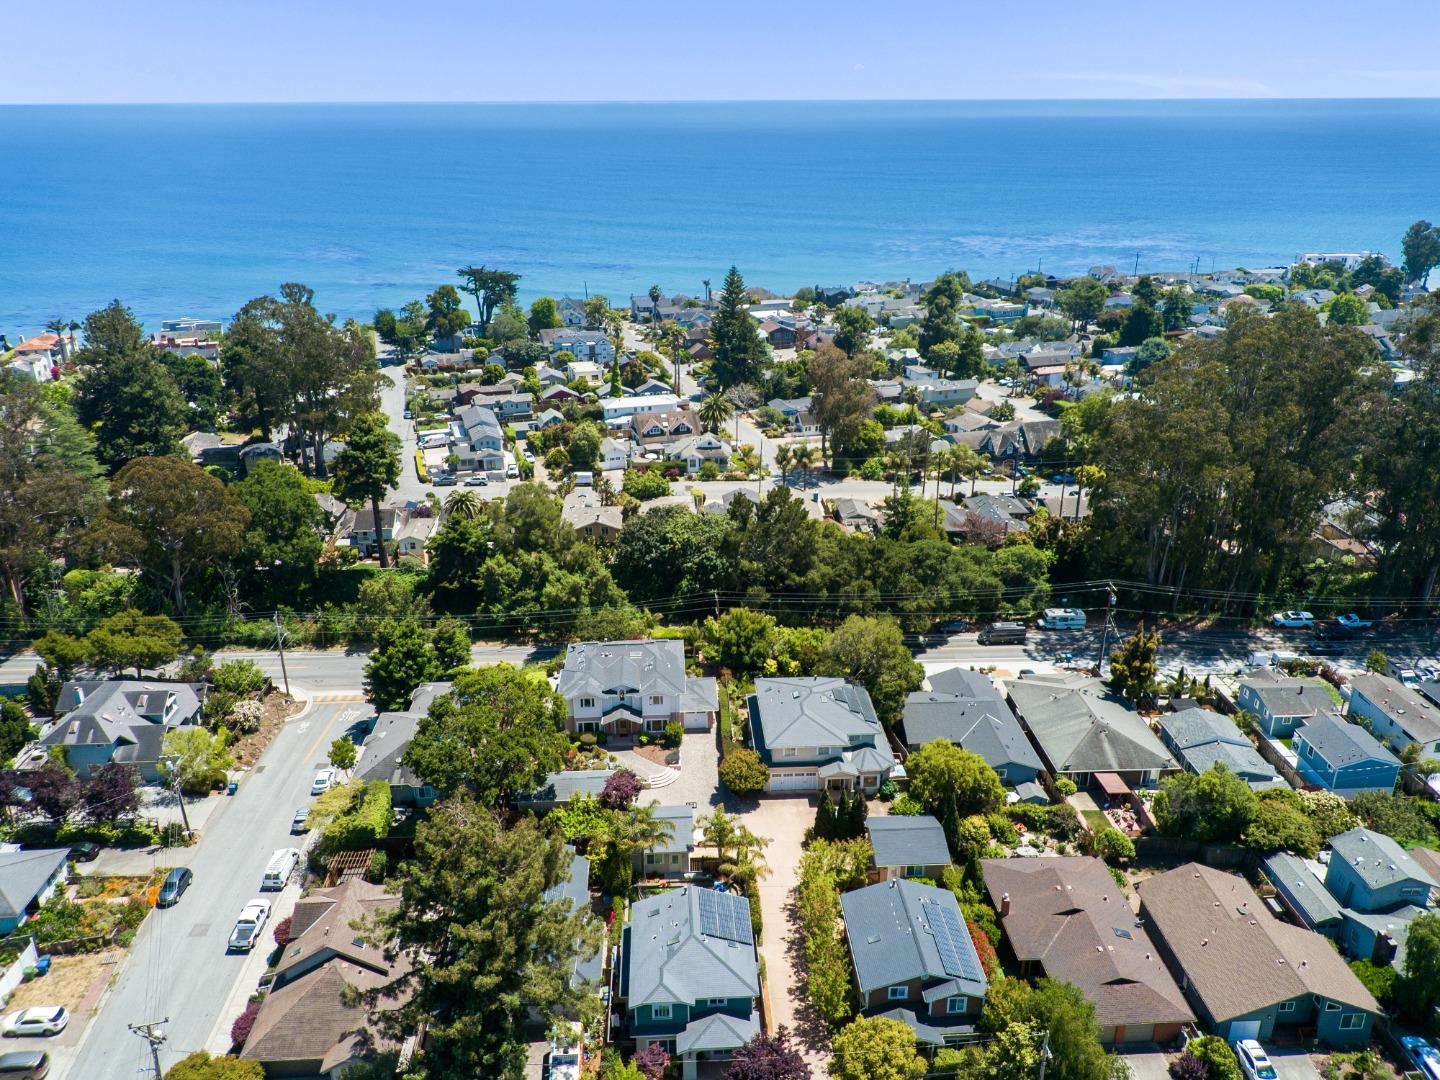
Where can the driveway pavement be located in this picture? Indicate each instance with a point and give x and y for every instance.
(699, 780)
(1146, 1064)
(783, 820)
(1293, 1064)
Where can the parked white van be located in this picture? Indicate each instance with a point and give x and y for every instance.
(278, 870)
(1062, 618)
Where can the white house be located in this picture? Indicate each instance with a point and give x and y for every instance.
(614, 454)
(623, 687)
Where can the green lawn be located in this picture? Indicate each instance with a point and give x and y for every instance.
(1096, 819)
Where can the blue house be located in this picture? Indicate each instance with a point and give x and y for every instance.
(689, 975)
(902, 846)
(1303, 894)
(1395, 712)
(983, 726)
(1281, 703)
(1343, 757)
(27, 880)
(1201, 739)
(1378, 937)
(1370, 872)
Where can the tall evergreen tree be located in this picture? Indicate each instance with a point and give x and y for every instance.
(739, 350)
(368, 466)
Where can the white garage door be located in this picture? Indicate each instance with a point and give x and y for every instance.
(1244, 1029)
(792, 781)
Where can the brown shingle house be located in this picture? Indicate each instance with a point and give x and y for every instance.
(1066, 919)
(304, 1027)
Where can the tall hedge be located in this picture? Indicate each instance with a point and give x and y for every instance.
(364, 822)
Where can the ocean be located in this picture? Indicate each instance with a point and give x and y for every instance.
(192, 210)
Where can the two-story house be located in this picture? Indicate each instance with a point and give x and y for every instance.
(1343, 757)
(695, 451)
(483, 446)
(914, 959)
(689, 975)
(572, 311)
(670, 858)
(984, 726)
(590, 345)
(120, 720)
(1369, 871)
(655, 428)
(1280, 703)
(621, 688)
(799, 416)
(818, 733)
(403, 529)
(1395, 713)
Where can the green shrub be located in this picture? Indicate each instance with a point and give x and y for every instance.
(378, 868)
(1220, 1061)
(1003, 829)
(675, 734)
(365, 821)
(906, 806)
(744, 773)
(1065, 786)
(588, 739)
(241, 678)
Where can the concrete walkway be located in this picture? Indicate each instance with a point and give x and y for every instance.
(783, 821)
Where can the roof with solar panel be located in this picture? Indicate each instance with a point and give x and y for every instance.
(684, 945)
(901, 930)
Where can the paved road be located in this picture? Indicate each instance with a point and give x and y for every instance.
(327, 671)
(178, 967)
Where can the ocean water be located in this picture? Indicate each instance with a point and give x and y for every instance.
(191, 210)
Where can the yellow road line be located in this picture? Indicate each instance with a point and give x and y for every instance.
(326, 731)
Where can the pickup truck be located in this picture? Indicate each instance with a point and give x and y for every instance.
(1354, 622)
(247, 927)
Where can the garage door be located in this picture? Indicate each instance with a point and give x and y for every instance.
(792, 781)
(1244, 1029)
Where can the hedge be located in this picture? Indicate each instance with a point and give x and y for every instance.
(366, 821)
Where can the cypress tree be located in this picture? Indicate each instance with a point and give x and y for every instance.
(825, 818)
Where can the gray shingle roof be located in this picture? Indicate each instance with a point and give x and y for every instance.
(385, 746)
(718, 1031)
(1377, 859)
(812, 712)
(1081, 728)
(889, 927)
(1287, 697)
(1068, 914)
(561, 787)
(965, 683)
(1341, 743)
(102, 712)
(23, 874)
(668, 960)
(1238, 957)
(643, 667)
(985, 727)
(908, 841)
(1301, 889)
(681, 820)
(1412, 713)
(1202, 739)
(576, 889)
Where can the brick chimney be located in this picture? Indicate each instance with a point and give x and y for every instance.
(1004, 905)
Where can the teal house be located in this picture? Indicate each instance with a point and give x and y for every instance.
(689, 975)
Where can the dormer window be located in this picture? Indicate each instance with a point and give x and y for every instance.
(587, 703)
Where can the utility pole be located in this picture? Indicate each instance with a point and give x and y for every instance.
(154, 1035)
(1045, 1054)
(1109, 625)
(179, 798)
(280, 643)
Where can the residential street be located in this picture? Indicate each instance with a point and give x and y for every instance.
(178, 967)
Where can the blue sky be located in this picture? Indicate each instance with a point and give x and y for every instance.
(66, 51)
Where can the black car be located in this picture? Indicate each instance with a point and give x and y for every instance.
(1334, 631)
(176, 882)
(84, 850)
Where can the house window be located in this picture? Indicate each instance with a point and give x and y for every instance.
(660, 1012)
(1286, 1007)
(1352, 1021)
(1332, 1006)
(650, 858)
(788, 751)
(716, 1003)
(588, 725)
(657, 699)
(958, 1004)
(899, 993)
(1000, 772)
(914, 871)
(587, 702)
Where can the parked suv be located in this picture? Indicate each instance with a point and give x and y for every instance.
(176, 882)
(1254, 1062)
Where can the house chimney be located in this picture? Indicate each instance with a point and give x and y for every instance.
(1004, 905)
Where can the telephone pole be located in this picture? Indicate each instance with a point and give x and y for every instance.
(1109, 626)
(153, 1034)
(280, 643)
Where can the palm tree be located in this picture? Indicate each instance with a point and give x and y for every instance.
(784, 458)
(715, 410)
(1086, 476)
(669, 336)
(966, 462)
(630, 832)
(895, 464)
(615, 329)
(605, 488)
(803, 457)
(655, 294)
(725, 833)
(464, 503)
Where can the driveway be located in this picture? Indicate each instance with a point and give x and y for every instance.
(1147, 1064)
(783, 820)
(1293, 1064)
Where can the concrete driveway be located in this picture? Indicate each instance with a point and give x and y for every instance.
(1293, 1064)
(1148, 1064)
(783, 820)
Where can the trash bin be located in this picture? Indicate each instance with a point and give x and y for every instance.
(230, 788)
(42, 965)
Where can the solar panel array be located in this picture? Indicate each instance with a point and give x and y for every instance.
(725, 916)
(957, 952)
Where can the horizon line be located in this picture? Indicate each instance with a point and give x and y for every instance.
(722, 101)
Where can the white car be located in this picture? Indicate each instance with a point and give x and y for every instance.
(1425, 1056)
(324, 781)
(36, 1020)
(1354, 622)
(301, 821)
(247, 927)
(1292, 619)
(1254, 1062)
